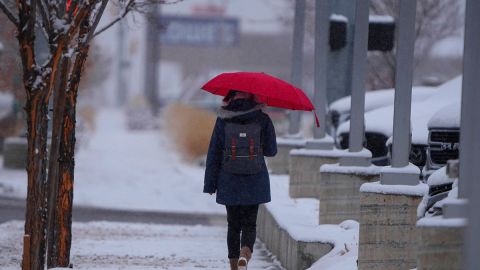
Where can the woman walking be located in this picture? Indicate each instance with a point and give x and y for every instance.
(236, 170)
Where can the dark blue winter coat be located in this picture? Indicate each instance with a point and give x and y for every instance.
(234, 189)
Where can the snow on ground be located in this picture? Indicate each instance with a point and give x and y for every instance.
(122, 169)
(300, 218)
(140, 170)
(109, 245)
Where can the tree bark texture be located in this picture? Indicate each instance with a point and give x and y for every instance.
(62, 234)
(53, 185)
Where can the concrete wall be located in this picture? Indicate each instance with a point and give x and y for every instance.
(339, 195)
(440, 248)
(305, 174)
(387, 231)
(279, 164)
(292, 254)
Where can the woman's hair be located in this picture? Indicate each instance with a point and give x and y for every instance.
(229, 96)
(232, 93)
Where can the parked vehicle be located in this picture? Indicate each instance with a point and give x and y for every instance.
(379, 125)
(444, 137)
(439, 186)
(339, 110)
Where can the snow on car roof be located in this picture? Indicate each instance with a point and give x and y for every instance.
(379, 98)
(447, 117)
(381, 120)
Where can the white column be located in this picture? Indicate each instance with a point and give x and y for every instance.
(322, 22)
(403, 99)
(297, 61)
(403, 83)
(469, 182)
(359, 66)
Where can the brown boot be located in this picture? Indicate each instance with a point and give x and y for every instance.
(245, 256)
(233, 264)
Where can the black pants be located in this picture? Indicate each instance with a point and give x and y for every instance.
(242, 228)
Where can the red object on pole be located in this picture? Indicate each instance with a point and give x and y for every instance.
(269, 89)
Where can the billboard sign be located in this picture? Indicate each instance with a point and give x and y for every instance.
(199, 31)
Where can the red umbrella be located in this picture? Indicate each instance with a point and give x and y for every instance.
(270, 90)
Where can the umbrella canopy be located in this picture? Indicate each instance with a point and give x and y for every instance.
(270, 90)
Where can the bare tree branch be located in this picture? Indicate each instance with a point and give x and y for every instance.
(83, 13)
(9, 13)
(130, 6)
(138, 6)
(45, 19)
(96, 20)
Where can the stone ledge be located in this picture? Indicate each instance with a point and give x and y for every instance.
(440, 242)
(305, 174)
(338, 191)
(279, 164)
(292, 253)
(387, 226)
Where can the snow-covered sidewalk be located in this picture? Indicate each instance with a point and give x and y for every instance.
(107, 245)
(122, 169)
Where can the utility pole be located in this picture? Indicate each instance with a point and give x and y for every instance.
(152, 58)
(297, 61)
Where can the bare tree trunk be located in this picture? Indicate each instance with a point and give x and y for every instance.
(66, 164)
(37, 122)
(59, 108)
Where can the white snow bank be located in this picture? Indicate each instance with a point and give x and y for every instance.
(356, 170)
(376, 187)
(440, 221)
(299, 217)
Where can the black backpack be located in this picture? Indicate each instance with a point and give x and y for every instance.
(243, 149)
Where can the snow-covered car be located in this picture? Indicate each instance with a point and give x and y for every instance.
(339, 110)
(440, 184)
(444, 137)
(379, 125)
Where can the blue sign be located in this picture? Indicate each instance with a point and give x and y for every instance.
(198, 31)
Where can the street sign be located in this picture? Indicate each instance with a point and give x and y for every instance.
(199, 31)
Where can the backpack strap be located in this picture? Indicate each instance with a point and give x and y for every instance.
(251, 148)
(234, 148)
